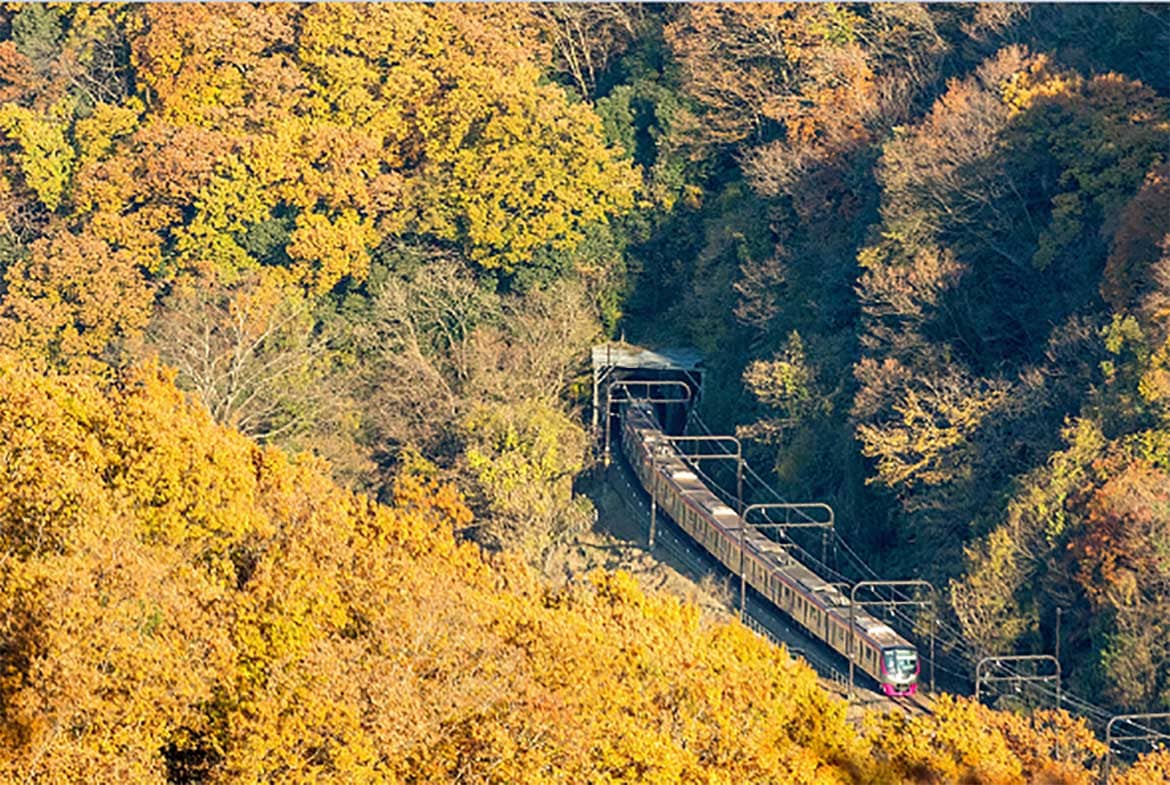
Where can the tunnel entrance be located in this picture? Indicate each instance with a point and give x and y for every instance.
(671, 378)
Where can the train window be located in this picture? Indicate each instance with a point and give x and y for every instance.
(902, 662)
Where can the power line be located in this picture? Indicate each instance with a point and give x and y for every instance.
(952, 638)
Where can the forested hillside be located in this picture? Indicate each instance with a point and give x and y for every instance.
(181, 605)
(265, 268)
(928, 261)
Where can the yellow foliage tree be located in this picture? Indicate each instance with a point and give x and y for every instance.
(963, 741)
(45, 157)
(395, 119)
(525, 456)
(1151, 769)
(282, 141)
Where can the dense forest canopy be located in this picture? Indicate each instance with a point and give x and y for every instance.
(925, 249)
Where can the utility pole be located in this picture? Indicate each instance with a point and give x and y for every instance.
(1057, 652)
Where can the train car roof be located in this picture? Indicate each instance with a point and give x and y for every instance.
(775, 555)
(724, 513)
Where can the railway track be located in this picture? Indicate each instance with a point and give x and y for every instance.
(914, 704)
(676, 547)
(957, 656)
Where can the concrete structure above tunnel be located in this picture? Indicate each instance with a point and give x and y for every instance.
(623, 362)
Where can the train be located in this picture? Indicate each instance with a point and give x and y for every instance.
(815, 604)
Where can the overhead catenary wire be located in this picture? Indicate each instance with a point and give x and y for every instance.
(952, 639)
(820, 565)
(950, 636)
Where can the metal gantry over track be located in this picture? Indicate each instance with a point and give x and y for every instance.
(1017, 678)
(617, 361)
(681, 371)
(648, 397)
(722, 455)
(1144, 733)
(786, 507)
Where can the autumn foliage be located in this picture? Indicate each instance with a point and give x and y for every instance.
(181, 605)
(284, 140)
(212, 185)
(924, 248)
